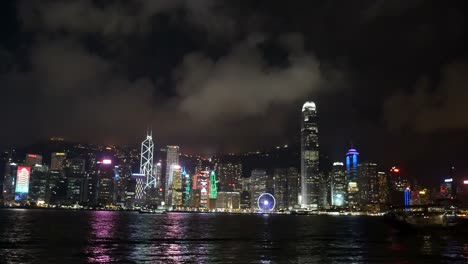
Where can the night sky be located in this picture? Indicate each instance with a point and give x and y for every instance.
(389, 77)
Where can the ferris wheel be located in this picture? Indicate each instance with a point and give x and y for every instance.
(266, 202)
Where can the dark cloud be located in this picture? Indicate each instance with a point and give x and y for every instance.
(120, 17)
(242, 83)
(432, 108)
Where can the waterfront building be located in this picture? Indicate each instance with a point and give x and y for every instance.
(229, 174)
(146, 161)
(38, 184)
(352, 177)
(32, 159)
(9, 183)
(57, 162)
(176, 189)
(310, 177)
(383, 188)
(201, 190)
(172, 158)
(228, 201)
(397, 185)
(339, 185)
(368, 183)
(280, 192)
(294, 184)
(105, 186)
(258, 186)
(137, 189)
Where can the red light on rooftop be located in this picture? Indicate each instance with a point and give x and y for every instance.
(32, 155)
(395, 170)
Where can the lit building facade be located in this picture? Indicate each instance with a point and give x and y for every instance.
(228, 201)
(229, 175)
(280, 192)
(57, 162)
(352, 178)
(137, 189)
(310, 178)
(294, 184)
(368, 183)
(176, 187)
(383, 188)
(32, 159)
(172, 158)
(23, 176)
(38, 184)
(397, 185)
(105, 186)
(258, 186)
(200, 194)
(338, 185)
(9, 183)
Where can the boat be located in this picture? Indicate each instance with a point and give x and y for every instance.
(151, 211)
(424, 217)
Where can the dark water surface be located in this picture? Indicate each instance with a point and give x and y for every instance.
(47, 236)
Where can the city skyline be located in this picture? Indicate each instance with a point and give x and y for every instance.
(178, 77)
(224, 131)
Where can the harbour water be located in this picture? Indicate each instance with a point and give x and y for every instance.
(55, 236)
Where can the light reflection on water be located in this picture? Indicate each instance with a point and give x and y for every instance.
(41, 236)
(102, 231)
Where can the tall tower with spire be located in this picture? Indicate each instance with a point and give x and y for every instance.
(146, 160)
(310, 178)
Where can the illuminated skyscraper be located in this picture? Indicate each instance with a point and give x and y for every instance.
(38, 184)
(105, 186)
(230, 175)
(146, 161)
(258, 186)
(187, 188)
(294, 182)
(32, 159)
(200, 190)
(397, 185)
(157, 173)
(383, 188)
(280, 183)
(172, 158)
(57, 161)
(310, 178)
(9, 182)
(137, 188)
(176, 188)
(368, 183)
(213, 185)
(352, 177)
(339, 184)
(228, 201)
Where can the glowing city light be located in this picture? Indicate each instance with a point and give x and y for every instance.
(448, 180)
(106, 161)
(465, 182)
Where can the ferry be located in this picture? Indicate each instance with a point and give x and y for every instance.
(151, 211)
(424, 216)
